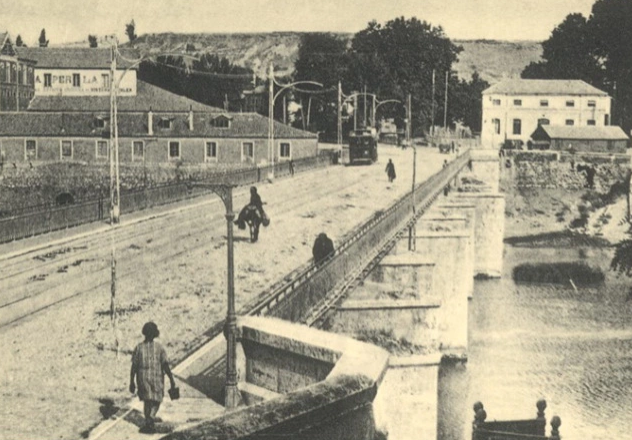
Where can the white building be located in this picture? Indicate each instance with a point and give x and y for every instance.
(513, 109)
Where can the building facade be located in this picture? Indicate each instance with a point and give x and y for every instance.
(68, 119)
(17, 77)
(610, 139)
(513, 109)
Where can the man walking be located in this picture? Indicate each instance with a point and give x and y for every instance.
(390, 170)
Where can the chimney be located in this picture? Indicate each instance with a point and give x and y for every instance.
(150, 122)
(191, 118)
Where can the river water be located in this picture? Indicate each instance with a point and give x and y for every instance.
(531, 341)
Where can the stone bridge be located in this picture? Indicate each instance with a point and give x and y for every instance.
(401, 282)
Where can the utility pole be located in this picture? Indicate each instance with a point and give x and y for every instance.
(284, 110)
(364, 103)
(339, 115)
(433, 105)
(409, 117)
(355, 112)
(271, 120)
(373, 118)
(445, 105)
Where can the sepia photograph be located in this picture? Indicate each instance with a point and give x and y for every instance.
(315, 220)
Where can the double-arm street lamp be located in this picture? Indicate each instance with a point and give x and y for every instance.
(272, 99)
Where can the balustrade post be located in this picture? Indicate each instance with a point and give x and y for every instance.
(556, 422)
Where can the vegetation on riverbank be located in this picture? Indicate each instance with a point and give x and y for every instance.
(576, 273)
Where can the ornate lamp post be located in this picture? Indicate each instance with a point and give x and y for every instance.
(272, 99)
(232, 395)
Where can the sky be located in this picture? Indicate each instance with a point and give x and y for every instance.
(72, 20)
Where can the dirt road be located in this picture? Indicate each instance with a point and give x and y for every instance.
(60, 371)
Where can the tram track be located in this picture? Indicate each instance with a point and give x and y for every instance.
(19, 302)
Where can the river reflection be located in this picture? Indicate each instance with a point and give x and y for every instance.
(574, 348)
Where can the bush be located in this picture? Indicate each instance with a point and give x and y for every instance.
(558, 273)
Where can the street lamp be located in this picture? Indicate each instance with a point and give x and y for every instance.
(232, 396)
(272, 98)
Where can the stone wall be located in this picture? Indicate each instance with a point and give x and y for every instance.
(558, 170)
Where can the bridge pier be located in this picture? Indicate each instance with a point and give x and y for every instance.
(489, 230)
(446, 249)
(485, 166)
(447, 209)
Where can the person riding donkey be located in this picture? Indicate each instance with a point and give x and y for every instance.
(255, 204)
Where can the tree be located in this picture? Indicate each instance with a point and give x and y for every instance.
(399, 58)
(130, 31)
(465, 101)
(92, 40)
(43, 42)
(18, 41)
(569, 53)
(322, 57)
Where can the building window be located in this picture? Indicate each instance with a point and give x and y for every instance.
(496, 125)
(517, 126)
(544, 103)
(138, 150)
(221, 122)
(591, 122)
(210, 151)
(570, 122)
(174, 150)
(592, 103)
(100, 122)
(48, 80)
(66, 149)
(518, 102)
(102, 149)
(76, 80)
(284, 150)
(30, 152)
(496, 102)
(21, 74)
(543, 121)
(164, 123)
(606, 120)
(570, 103)
(248, 150)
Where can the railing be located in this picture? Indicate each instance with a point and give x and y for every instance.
(310, 286)
(531, 429)
(302, 290)
(49, 218)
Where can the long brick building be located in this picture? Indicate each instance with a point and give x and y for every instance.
(67, 116)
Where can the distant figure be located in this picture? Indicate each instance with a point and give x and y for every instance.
(149, 366)
(453, 148)
(590, 174)
(445, 163)
(291, 166)
(323, 248)
(390, 170)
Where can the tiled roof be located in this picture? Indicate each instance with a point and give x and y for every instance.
(147, 96)
(611, 132)
(75, 57)
(134, 124)
(544, 87)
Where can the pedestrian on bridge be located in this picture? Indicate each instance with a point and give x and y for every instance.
(323, 248)
(390, 170)
(149, 366)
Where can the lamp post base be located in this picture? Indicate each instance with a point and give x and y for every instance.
(232, 397)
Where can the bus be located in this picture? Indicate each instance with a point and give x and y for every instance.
(363, 146)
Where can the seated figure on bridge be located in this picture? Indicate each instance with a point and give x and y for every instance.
(323, 248)
(255, 205)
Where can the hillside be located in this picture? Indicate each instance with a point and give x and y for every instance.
(494, 60)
